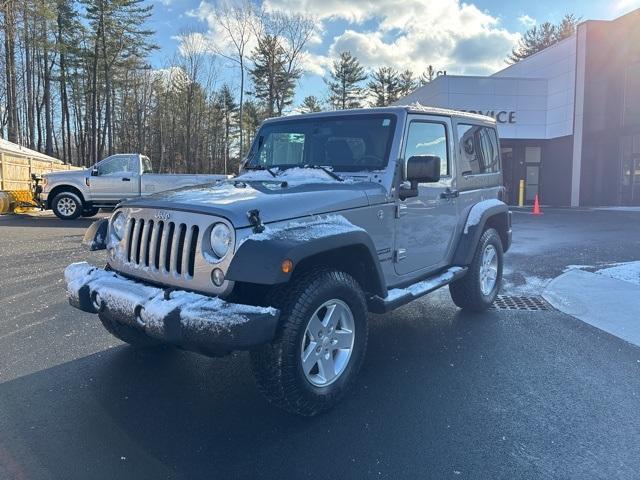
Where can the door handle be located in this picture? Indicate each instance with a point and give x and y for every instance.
(126, 179)
(448, 193)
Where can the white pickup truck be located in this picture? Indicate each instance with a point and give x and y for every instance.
(118, 177)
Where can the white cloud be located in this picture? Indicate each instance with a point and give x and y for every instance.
(315, 64)
(626, 5)
(450, 35)
(527, 21)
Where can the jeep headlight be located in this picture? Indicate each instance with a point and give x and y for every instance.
(118, 224)
(220, 239)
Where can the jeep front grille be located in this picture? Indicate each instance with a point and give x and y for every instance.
(167, 247)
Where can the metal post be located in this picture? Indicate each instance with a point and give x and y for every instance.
(521, 194)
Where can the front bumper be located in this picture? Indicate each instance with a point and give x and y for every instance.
(191, 321)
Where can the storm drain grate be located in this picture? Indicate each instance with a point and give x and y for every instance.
(511, 302)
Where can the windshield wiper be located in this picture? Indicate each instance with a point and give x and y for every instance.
(329, 172)
(262, 167)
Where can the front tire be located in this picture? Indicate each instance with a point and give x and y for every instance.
(91, 212)
(320, 345)
(67, 206)
(478, 289)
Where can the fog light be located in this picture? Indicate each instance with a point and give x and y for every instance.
(217, 277)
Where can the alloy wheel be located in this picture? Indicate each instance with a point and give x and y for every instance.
(488, 270)
(327, 343)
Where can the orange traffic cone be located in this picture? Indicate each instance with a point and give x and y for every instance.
(536, 207)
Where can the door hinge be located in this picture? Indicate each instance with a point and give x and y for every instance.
(400, 254)
(401, 210)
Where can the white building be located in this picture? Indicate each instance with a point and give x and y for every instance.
(568, 116)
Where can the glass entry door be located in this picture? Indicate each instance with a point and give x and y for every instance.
(630, 185)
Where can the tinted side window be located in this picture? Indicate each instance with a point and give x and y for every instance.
(425, 138)
(479, 149)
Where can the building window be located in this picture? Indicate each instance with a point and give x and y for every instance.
(426, 138)
(532, 154)
(479, 149)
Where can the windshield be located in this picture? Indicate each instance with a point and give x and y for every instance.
(344, 143)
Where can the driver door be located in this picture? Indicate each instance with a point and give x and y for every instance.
(115, 178)
(426, 224)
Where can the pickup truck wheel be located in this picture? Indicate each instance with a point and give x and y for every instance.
(477, 290)
(91, 212)
(67, 206)
(127, 334)
(320, 346)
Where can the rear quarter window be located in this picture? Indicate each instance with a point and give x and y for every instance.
(479, 150)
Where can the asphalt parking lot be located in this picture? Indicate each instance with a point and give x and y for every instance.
(505, 394)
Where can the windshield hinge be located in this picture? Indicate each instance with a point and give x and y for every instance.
(255, 221)
(401, 210)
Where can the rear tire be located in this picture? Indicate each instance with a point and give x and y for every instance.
(67, 206)
(478, 289)
(128, 334)
(320, 345)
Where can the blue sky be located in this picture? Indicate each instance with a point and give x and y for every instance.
(462, 38)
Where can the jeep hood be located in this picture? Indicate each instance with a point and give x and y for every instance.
(276, 200)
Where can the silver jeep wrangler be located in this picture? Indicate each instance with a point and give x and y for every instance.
(335, 215)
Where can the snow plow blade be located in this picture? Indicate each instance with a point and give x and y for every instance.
(188, 320)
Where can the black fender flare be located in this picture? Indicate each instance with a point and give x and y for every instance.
(95, 237)
(260, 261)
(493, 211)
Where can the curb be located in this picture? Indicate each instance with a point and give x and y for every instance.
(608, 304)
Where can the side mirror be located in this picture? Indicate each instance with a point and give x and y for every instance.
(420, 169)
(423, 169)
(94, 172)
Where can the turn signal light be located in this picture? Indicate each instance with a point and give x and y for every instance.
(287, 266)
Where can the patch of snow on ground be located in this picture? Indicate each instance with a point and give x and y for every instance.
(627, 272)
(515, 283)
(475, 215)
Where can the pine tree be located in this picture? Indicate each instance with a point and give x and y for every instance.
(384, 86)
(310, 104)
(541, 36)
(119, 40)
(346, 76)
(567, 26)
(273, 84)
(229, 110)
(427, 76)
(406, 83)
(252, 116)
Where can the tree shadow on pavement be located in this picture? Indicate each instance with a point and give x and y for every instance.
(41, 221)
(441, 392)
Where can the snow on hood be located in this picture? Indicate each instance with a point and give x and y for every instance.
(294, 193)
(303, 231)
